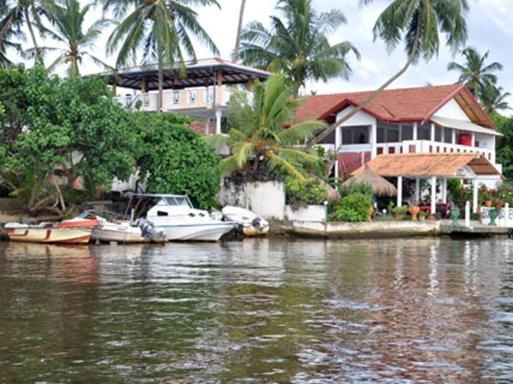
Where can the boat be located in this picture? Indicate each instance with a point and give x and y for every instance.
(126, 232)
(176, 215)
(47, 233)
(251, 224)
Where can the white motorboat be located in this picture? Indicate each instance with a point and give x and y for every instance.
(178, 218)
(122, 231)
(252, 224)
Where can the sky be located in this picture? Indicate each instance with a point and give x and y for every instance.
(490, 27)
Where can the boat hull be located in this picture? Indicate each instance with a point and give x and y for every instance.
(196, 232)
(49, 235)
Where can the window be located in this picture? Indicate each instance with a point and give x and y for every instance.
(424, 132)
(438, 133)
(176, 97)
(192, 96)
(448, 135)
(406, 132)
(355, 135)
(392, 134)
(210, 94)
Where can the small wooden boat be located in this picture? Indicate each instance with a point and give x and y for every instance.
(122, 231)
(47, 233)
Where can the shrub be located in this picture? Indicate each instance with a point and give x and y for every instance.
(353, 207)
(364, 189)
(299, 193)
(400, 212)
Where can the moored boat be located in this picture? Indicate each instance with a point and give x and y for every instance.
(122, 231)
(47, 233)
(252, 225)
(179, 219)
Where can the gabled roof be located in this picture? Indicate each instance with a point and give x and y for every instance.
(425, 165)
(397, 105)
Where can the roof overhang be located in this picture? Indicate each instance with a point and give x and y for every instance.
(202, 73)
(446, 165)
(463, 125)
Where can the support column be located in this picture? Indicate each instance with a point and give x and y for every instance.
(207, 126)
(475, 193)
(415, 131)
(433, 195)
(374, 139)
(473, 139)
(399, 191)
(444, 190)
(454, 136)
(218, 121)
(432, 136)
(338, 142)
(417, 190)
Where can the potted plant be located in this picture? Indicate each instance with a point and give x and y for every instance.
(493, 216)
(422, 216)
(399, 212)
(414, 209)
(455, 214)
(487, 199)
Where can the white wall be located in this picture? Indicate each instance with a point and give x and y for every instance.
(310, 213)
(361, 118)
(452, 110)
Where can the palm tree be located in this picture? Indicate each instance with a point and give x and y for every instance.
(23, 12)
(494, 98)
(297, 44)
(68, 20)
(162, 28)
(239, 29)
(418, 25)
(7, 38)
(262, 136)
(474, 73)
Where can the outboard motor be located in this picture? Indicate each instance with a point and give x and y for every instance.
(148, 230)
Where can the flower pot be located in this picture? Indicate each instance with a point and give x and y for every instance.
(493, 216)
(414, 211)
(455, 215)
(370, 212)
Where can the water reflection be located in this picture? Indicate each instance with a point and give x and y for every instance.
(420, 310)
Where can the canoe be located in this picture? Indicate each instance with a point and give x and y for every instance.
(47, 233)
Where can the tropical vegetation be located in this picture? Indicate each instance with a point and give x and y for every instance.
(263, 137)
(297, 44)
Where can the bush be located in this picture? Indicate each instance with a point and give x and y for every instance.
(353, 207)
(299, 193)
(505, 193)
(400, 212)
(364, 189)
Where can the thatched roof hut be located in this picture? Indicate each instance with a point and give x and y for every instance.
(380, 186)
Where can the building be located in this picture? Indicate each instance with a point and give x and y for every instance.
(200, 90)
(416, 128)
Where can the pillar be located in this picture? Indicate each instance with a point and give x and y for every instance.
(433, 195)
(374, 139)
(454, 136)
(473, 139)
(444, 191)
(506, 213)
(475, 191)
(417, 190)
(432, 135)
(399, 191)
(338, 142)
(207, 126)
(415, 131)
(218, 121)
(467, 214)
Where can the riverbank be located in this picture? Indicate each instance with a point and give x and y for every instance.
(386, 229)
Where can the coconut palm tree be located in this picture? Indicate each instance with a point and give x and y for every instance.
(418, 25)
(8, 38)
(494, 98)
(20, 13)
(475, 73)
(235, 55)
(297, 44)
(163, 29)
(262, 136)
(68, 19)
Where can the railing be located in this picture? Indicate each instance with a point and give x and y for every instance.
(418, 146)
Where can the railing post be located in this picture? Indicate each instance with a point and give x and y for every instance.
(506, 214)
(467, 214)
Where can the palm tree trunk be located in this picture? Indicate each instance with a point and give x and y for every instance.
(239, 29)
(160, 83)
(74, 66)
(372, 96)
(31, 31)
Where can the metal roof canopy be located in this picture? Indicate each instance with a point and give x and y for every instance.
(463, 125)
(202, 73)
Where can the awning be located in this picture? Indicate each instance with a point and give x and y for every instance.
(463, 125)
(433, 164)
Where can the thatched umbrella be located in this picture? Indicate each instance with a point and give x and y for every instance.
(379, 185)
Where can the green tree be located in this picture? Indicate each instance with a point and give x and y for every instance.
(235, 54)
(71, 127)
(69, 18)
(162, 28)
(297, 44)
(494, 99)
(176, 159)
(475, 73)
(262, 136)
(418, 25)
(504, 143)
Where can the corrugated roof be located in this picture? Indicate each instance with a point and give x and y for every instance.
(426, 165)
(395, 105)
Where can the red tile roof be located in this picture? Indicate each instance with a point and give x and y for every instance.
(395, 105)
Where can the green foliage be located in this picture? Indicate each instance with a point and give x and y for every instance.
(353, 208)
(504, 143)
(400, 212)
(262, 136)
(364, 189)
(300, 193)
(177, 160)
(505, 194)
(297, 44)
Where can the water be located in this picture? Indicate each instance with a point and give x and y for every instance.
(262, 311)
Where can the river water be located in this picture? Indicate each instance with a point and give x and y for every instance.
(264, 311)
